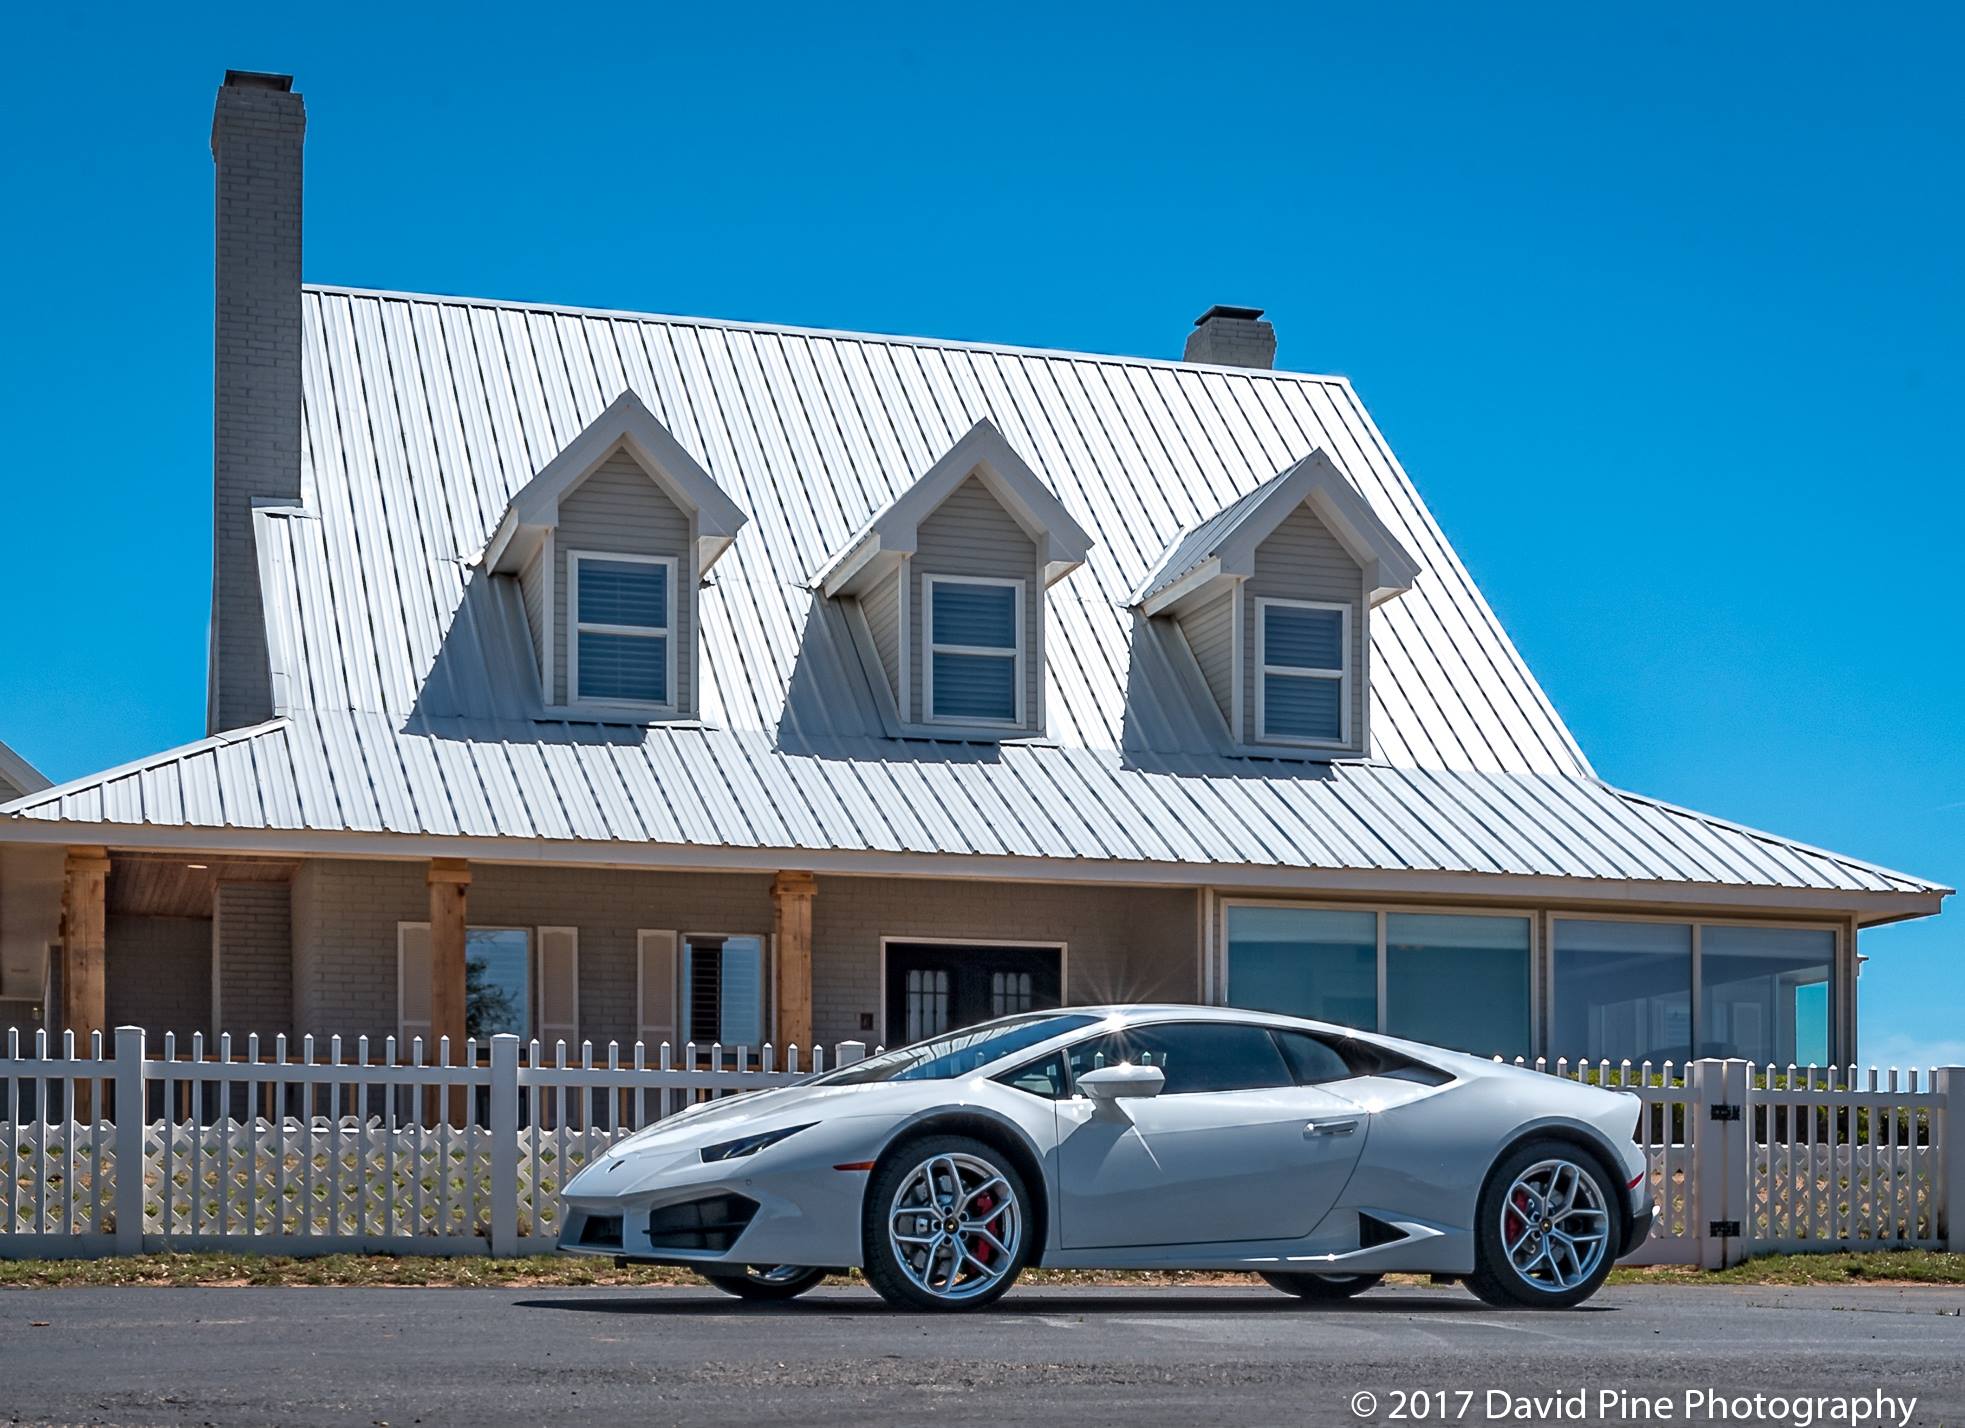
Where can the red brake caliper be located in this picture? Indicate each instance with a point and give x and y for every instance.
(1517, 1219)
(984, 1204)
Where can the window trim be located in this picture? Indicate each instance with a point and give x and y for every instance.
(1017, 654)
(1263, 669)
(575, 626)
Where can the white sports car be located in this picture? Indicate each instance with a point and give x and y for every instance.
(1136, 1137)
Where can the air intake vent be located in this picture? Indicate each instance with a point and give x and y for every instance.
(1373, 1231)
(712, 1223)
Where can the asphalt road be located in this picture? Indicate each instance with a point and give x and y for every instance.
(1045, 1355)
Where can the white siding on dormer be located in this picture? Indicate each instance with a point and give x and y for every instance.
(971, 534)
(1210, 633)
(882, 607)
(1302, 560)
(532, 585)
(620, 510)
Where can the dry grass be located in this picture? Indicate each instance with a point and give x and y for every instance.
(228, 1270)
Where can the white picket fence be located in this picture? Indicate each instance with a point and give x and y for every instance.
(306, 1155)
(301, 1155)
(1746, 1159)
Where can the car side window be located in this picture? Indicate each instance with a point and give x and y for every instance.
(1312, 1060)
(1042, 1077)
(1196, 1057)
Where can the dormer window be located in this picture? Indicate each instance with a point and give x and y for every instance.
(941, 594)
(1259, 615)
(1304, 694)
(620, 649)
(609, 545)
(975, 650)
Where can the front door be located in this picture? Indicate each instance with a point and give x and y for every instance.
(934, 987)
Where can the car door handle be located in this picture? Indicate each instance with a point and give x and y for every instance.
(1314, 1128)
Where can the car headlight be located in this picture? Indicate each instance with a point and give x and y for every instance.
(750, 1144)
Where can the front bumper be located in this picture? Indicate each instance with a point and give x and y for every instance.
(788, 1204)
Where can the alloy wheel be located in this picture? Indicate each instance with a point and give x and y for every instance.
(955, 1227)
(1555, 1227)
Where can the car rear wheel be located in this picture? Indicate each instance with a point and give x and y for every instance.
(1323, 1288)
(946, 1224)
(765, 1281)
(1548, 1227)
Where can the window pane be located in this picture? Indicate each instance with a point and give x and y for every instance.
(1623, 990)
(497, 982)
(1295, 707)
(1196, 1057)
(1763, 993)
(624, 592)
(1305, 962)
(742, 1018)
(983, 615)
(627, 667)
(1458, 981)
(1312, 1062)
(975, 687)
(1305, 639)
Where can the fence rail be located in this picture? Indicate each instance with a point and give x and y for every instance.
(314, 1147)
(1747, 1159)
(311, 1155)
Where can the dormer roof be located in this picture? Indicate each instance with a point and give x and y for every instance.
(627, 424)
(1223, 546)
(984, 453)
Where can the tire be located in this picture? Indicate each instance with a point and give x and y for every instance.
(765, 1282)
(912, 1257)
(1323, 1288)
(1545, 1200)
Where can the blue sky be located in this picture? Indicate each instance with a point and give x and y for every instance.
(1663, 314)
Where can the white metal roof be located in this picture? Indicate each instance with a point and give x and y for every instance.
(411, 701)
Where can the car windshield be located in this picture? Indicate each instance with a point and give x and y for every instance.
(957, 1054)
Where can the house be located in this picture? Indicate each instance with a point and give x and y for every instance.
(602, 675)
(18, 776)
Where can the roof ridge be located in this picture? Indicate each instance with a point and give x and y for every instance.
(794, 330)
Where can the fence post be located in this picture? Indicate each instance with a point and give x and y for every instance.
(1722, 1168)
(504, 1144)
(1948, 1126)
(131, 1115)
(850, 1051)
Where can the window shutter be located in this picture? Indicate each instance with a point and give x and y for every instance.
(655, 991)
(413, 987)
(559, 986)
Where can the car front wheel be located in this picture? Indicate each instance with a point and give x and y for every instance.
(1547, 1230)
(946, 1224)
(765, 1281)
(1323, 1288)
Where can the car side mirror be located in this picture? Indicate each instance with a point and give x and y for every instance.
(1110, 1083)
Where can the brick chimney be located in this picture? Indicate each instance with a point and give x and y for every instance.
(1231, 337)
(258, 125)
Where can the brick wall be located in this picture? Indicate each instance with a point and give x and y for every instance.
(159, 972)
(1124, 943)
(257, 134)
(252, 931)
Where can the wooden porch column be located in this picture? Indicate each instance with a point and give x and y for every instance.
(450, 882)
(84, 943)
(791, 909)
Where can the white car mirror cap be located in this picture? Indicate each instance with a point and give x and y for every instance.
(1109, 1083)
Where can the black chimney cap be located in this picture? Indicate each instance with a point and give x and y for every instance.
(258, 79)
(1221, 309)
